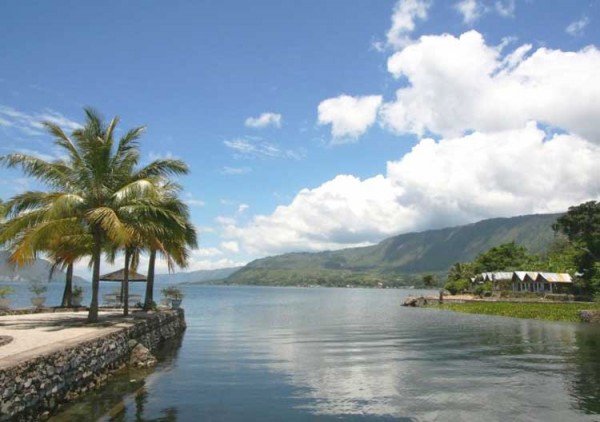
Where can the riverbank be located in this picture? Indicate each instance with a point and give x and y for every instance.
(567, 312)
(53, 358)
(512, 307)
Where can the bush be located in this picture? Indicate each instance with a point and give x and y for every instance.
(37, 288)
(484, 289)
(457, 286)
(172, 292)
(5, 291)
(77, 291)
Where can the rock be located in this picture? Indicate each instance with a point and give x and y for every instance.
(141, 357)
(415, 301)
(589, 316)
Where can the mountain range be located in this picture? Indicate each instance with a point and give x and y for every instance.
(402, 259)
(38, 270)
(398, 260)
(196, 277)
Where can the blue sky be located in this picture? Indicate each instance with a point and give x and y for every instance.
(378, 117)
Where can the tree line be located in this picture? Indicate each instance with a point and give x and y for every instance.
(100, 202)
(576, 250)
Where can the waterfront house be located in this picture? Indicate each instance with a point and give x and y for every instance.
(500, 280)
(526, 281)
(540, 282)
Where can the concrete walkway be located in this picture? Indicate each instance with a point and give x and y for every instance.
(38, 334)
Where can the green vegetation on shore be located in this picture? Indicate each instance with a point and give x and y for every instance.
(568, 312)
(401, 260)
(575, 250)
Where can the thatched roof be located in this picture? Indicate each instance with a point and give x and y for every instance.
(119, 275)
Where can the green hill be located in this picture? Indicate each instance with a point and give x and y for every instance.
(399, 260)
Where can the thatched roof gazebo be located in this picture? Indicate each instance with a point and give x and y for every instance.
(119, 275)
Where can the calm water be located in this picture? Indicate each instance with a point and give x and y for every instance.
(292, 354)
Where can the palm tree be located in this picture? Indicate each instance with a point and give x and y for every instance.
(97, 183)
(173, 243)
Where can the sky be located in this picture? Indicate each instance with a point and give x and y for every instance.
(320, 125)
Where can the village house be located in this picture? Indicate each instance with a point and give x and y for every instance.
(527, 281)
(540, 282)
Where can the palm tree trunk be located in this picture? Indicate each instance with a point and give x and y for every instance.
(149, 300)
(96, 255)
(126, 283)
(68, 293)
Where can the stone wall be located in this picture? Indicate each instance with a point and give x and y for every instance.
(33, 389)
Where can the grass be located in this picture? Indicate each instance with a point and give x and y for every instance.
(568, 312)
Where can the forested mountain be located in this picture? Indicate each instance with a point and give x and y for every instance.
(196, 277)
(39, 270)
(399, 260)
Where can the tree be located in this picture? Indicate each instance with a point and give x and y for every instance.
(506, 257)
(93, 187)
(581, 225)
(460, 271)
(173, 244)
(429, 281)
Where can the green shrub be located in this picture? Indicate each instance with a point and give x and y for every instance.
(457, 286)
(37, 288)
(484, 289)
(5, 291)
(172, 292)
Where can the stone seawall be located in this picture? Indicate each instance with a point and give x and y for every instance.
(33, 389)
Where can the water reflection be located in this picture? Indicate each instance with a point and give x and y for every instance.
(366, 356)
(330, 354)
(113, 402)
(585, 385)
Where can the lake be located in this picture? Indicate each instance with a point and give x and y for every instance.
(306, 354)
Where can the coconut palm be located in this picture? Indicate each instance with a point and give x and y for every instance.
(173, 244)
(98, 182)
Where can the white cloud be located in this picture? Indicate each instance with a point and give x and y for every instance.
(225, 221)
(245, 148)
(576, 28)
(205, 229)
(214, 265)
(207, 252)
(349, 116)
(457, 84)
(235, 171)
(470, 10)
(231, 246)
(58, 119)
(162, 156)
(31, 123)
(242, 208)
(406, 12)
(452, 181)
(193, 202)
(264, 120)
(505, 8)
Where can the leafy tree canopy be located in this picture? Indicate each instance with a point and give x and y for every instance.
(581, 225)
(507, 257)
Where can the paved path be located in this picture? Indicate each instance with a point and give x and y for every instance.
(37, 334)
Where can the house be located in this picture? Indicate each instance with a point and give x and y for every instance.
(540, 282)
(498, 279)
(526, 281)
